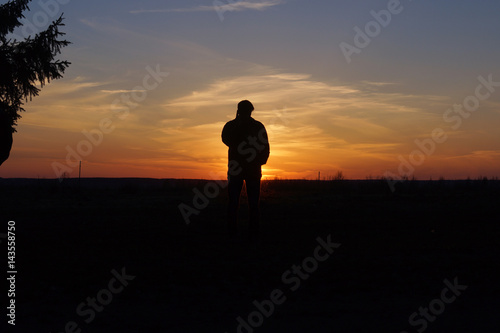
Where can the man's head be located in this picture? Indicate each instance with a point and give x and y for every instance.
(245, 108)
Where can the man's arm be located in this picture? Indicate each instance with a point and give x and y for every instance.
(227, 134)
(264, 154)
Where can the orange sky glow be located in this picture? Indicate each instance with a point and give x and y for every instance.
(147, 96)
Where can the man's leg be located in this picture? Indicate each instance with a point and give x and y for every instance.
(235, 183)
(253, 192)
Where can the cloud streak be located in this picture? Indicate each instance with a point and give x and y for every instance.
(336, 125)
(217, 6)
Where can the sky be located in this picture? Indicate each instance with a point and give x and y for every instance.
(372, 89)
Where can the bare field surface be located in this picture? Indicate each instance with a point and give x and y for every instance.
(392, 256)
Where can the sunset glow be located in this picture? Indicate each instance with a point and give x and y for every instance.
(151, 86)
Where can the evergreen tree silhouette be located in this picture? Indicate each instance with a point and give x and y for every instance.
(24, 64)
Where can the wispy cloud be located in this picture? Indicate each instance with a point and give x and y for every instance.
(307, 120)
(217, 5)
(123, 91)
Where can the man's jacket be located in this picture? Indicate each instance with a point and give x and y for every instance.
(248, 143)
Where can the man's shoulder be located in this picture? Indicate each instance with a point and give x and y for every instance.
(257, 123)
(247, 124)
(230, 123)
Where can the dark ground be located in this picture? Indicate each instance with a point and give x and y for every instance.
(396, 251)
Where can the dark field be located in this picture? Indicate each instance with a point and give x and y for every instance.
(397, 250)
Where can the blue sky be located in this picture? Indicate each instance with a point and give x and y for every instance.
(283, 55)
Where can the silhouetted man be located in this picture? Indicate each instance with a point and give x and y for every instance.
(248, 151)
